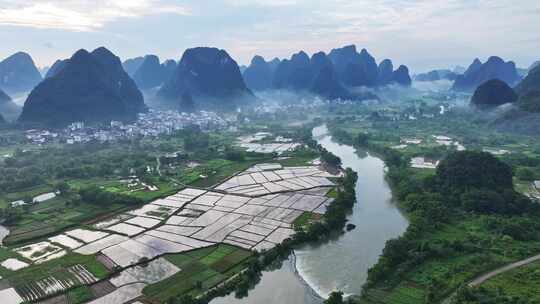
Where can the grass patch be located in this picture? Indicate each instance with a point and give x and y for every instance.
(448, 271)
(202, 269)
(56, 268)
(304, 219)
(80, 294)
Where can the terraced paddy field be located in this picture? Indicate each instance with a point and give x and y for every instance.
(182, 244)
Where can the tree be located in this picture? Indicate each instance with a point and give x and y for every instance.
(336, 297)
(525, 174)
(330, 158)
(483, 201)
(234, 155)
(362, 139)
(63, 187)
(465, 170)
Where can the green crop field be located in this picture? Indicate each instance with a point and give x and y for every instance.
(201, 270)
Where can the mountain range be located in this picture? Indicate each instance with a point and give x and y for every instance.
(18, 73)
(151, 73)
(131, 65)
(208, 77)
(478, 73)
(89, 87)
(8, 109)
(495, 92)
(57, 66)
(436, 75)
(529, 91)
(330, 76)
(259, 74)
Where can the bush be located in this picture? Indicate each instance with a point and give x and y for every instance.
(525, 174)
(465, 170)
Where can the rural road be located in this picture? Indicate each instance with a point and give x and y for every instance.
(489, 275)
(481, 279)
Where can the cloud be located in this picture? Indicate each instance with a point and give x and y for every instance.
(411, 32)
(82, 15)
(264, 3)
(423, 34)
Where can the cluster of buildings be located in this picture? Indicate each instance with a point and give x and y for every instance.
(152, 123)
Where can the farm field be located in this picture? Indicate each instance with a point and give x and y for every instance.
(184, 243)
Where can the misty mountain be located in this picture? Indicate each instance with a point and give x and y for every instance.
(169, 66)
(57, 66)
(478, 73)
(259, 74)
(90, 87)
(274, 64)
(436, 75)
(8, 109)
(530, 83)
(210, 76)
(18, 73)
(294, 73)
(44, 70)
(360, 69)
(344, 68)
(493, 93)
(401, 76)
(315, 75)
(4, 98)
(385, 72)
(525, 117)
(131, 65)
(534, 65)
(529, 91)
(325, 80)
(530, 101)
(151, 73)
(355, 69)
(459, 70)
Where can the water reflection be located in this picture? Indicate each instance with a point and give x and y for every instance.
(281, 285)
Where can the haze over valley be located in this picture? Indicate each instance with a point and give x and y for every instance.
(291, 151)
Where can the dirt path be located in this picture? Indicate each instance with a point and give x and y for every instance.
(506, 268)
(481, 279)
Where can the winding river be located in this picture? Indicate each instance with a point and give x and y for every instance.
(342, 262)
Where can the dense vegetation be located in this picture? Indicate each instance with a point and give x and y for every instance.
(493, 93)
(465, 219)
(98, 179)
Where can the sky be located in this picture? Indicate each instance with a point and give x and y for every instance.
(423, 34)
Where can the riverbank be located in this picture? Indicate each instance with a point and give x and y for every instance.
(445, 246)
(342, 260)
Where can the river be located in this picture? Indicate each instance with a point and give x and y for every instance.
(342, 262)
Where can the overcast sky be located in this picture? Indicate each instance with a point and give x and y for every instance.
(422, 34)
